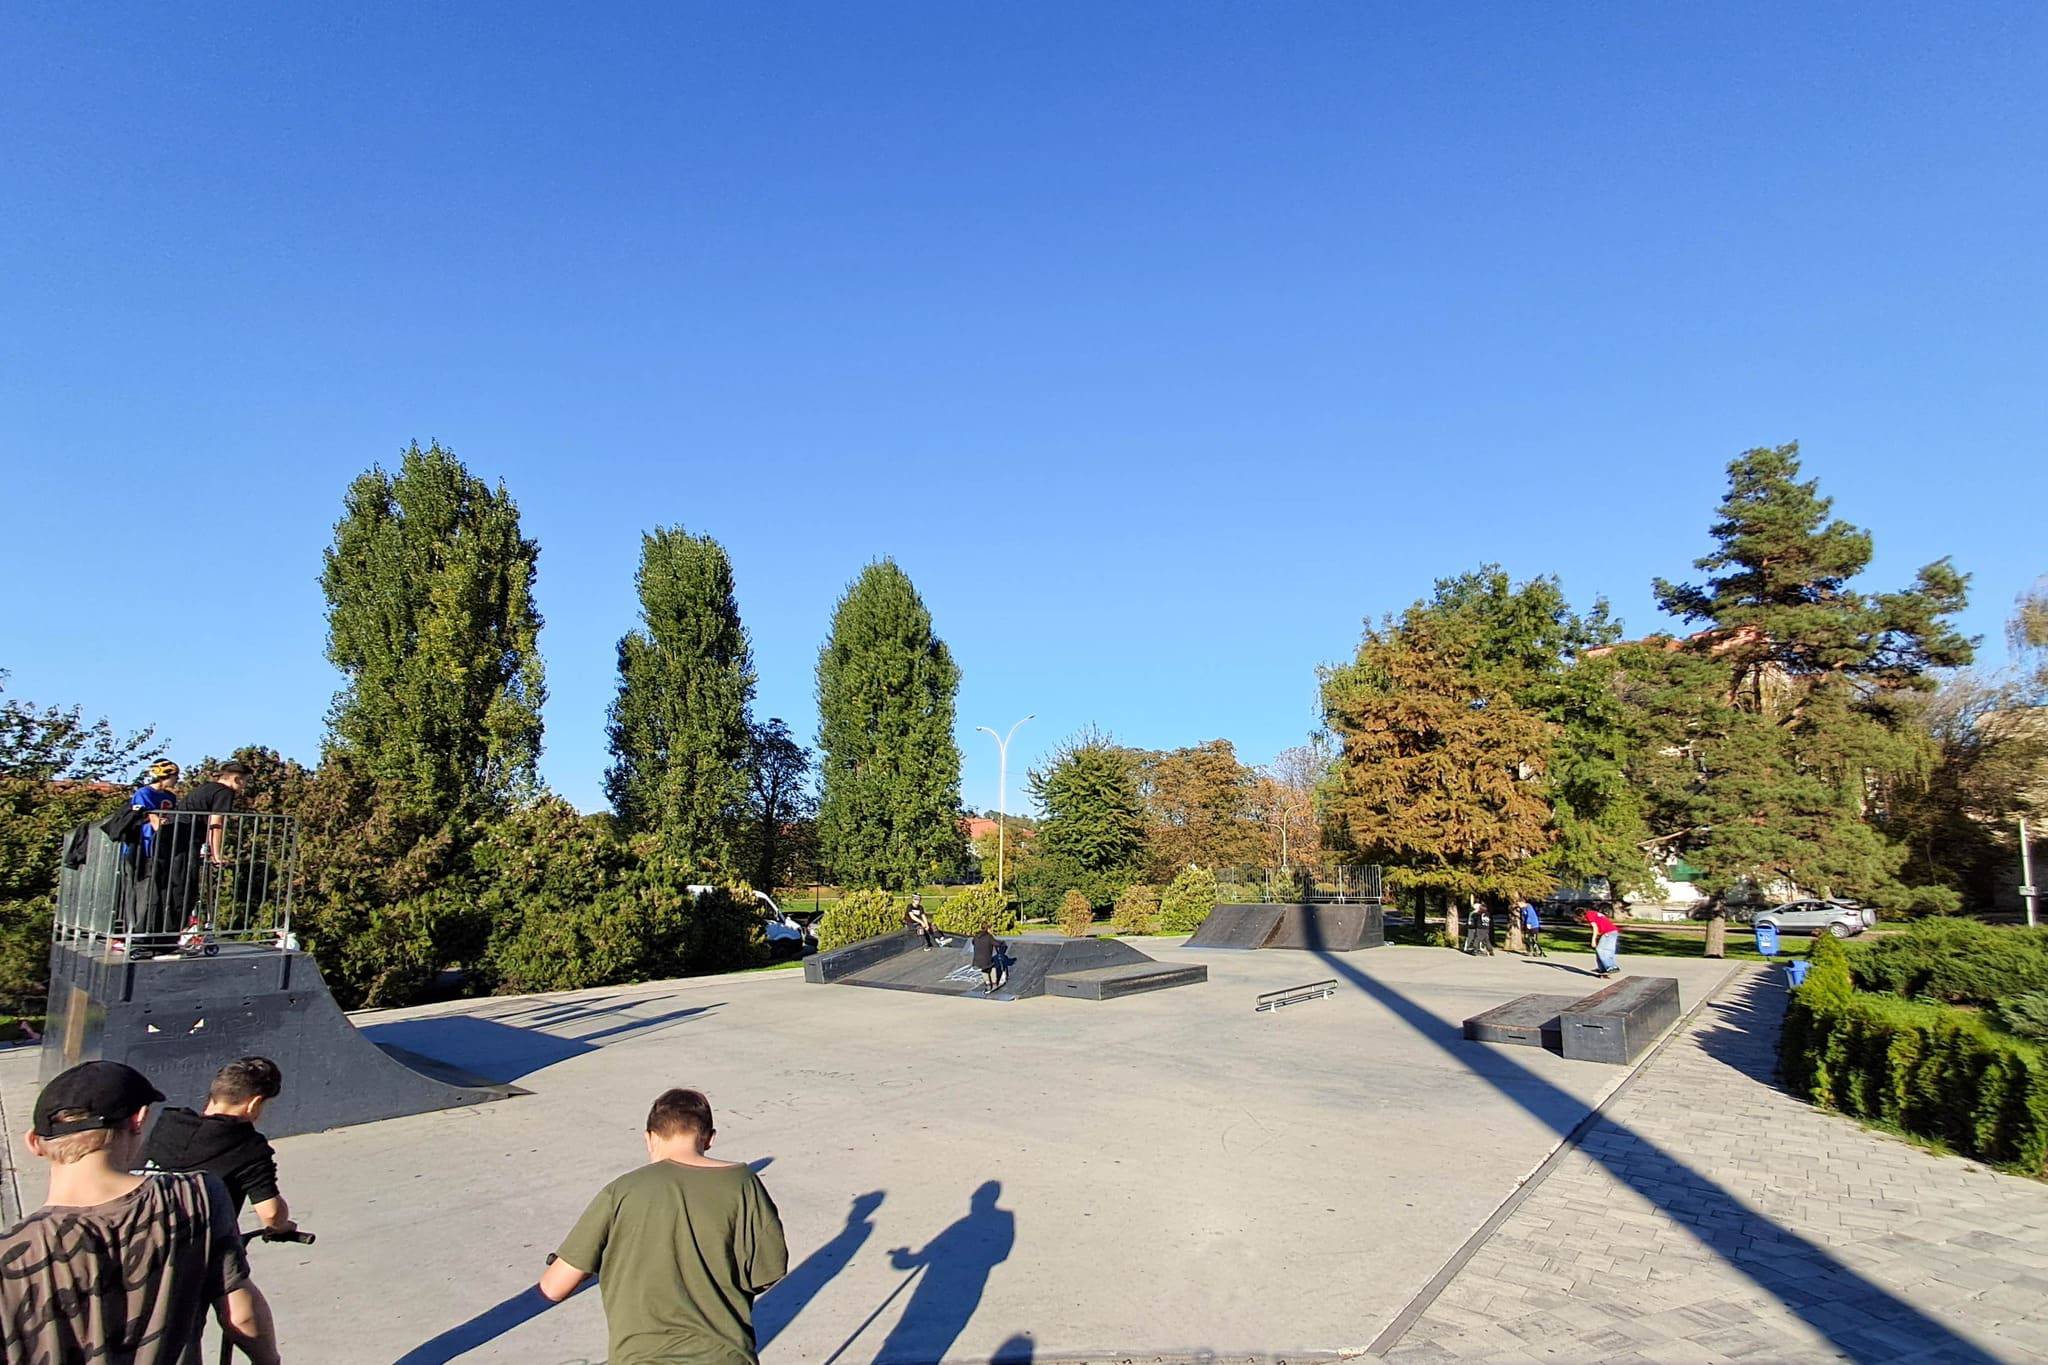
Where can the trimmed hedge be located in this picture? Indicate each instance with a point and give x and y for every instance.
(967, 912)
(1187, 901)
(1954, 961)
(1137, 910)
(1077, 915)
(858, 915)
(1929, 1069)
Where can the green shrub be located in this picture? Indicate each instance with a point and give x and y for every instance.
(1137, 910)
(1077, 916)
(858, 915)
(2023, 1016)
(1187, 901)
(975, 907)
(1954, 961)
(1927, 1068)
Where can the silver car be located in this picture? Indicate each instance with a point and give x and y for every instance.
(1839, 918)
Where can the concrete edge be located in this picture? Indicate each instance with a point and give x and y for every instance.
(10, 1179)
(1391, 1335)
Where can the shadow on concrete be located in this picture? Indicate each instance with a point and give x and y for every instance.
(502, 1052)
(1018, 1350)
(777, 1308)
(485, 1327)
(1861, 1319)
(951, 1273)
(1561, 967)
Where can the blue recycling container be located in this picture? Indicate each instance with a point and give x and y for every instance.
(1796, 970)
(1767, 939)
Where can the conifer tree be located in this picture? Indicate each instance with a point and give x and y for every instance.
(890, 806)
(1769, 733)
(679, 735)
(431, 620)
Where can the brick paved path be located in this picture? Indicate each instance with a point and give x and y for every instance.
(1709, 1216)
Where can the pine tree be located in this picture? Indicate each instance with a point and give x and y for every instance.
(679, 734)
(889, 812)
(1771, 734)
(431, 620)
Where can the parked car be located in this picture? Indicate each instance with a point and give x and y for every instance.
(1839, 918)
(777, 926)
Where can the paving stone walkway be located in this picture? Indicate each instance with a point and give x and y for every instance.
(1709, 1216)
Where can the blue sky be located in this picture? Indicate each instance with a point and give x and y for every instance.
(1160, 344)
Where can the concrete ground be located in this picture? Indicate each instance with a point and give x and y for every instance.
(1165, 1174)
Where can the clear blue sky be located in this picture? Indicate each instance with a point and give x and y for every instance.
(1160, 344)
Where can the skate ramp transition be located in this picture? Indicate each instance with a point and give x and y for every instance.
(1077, 968)
(1337, 928)
(178, 1020)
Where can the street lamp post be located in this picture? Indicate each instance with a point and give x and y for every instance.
(1002, 792)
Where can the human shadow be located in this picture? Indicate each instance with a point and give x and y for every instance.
(1018, 1350)
(1860, 1318)
(502, 1052)
(485, 1327)
(777, 1308)
(956, 1265)
(1561, 967)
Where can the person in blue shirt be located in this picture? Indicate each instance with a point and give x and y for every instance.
(1532, 930)
(155, 794)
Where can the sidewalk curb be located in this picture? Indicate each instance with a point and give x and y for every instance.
(1406, 1319)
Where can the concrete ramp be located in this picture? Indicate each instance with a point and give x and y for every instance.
(178, 1020)
(1081, 969)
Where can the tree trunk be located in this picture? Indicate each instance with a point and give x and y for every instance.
(1516, 943)
(1717, 933)
(1451, 919)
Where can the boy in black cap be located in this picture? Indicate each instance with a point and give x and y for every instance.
(224, 1139)
(117, 1266)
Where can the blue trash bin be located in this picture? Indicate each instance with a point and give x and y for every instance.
(1767, 939)
(1795, 972)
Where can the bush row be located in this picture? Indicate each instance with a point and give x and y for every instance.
(869, 914)
(1954, 961)
(1927, 1068)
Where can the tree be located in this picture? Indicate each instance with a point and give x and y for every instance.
(889, 811)
(1200, 809)
(778, 769)
(1091, 833)
(432, 623)
(1435, 777)
(1958, 816)
(680, 739)
(1287, 796)
(1771, 732)
(2028, 635)
(40, 744)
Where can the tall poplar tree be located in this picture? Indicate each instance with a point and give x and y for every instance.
(890, 807)
(678, 727)
(431, 620)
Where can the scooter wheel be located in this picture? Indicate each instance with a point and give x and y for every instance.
(213, 950)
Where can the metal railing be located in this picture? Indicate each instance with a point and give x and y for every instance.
(182, 881)
(1298, 885)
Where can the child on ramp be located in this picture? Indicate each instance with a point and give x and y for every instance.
(988, 958)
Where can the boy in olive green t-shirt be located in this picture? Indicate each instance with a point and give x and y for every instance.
(680, 1247)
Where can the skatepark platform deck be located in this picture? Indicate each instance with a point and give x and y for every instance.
(1335, 927)
(179, 1019)
(1080, 969)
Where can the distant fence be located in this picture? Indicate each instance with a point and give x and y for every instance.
(1299, 885)
(181, 879)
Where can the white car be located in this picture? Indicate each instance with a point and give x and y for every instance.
(778, 927)
(1839, 918)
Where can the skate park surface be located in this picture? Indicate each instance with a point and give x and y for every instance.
(1167, 1174)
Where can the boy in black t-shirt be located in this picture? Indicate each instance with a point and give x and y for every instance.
(224, 1139)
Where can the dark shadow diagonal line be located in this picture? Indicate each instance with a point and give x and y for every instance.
(1824, 1292)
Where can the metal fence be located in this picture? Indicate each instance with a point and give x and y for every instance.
(182, 881)
(1298, 885)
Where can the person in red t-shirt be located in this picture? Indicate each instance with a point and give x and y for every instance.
(1606, 936)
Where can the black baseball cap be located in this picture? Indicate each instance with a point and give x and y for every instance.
(108, 1092)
